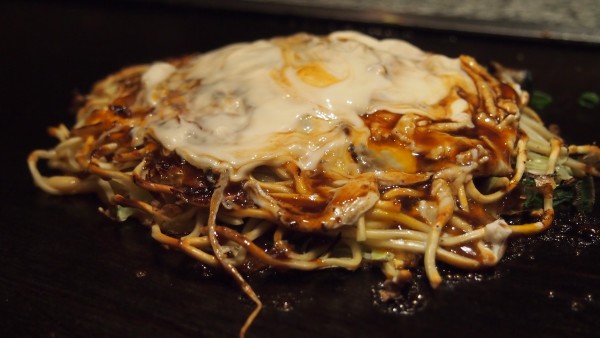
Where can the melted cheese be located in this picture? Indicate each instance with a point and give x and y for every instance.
(272, 101)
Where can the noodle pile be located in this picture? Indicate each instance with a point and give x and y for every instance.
(411, 189)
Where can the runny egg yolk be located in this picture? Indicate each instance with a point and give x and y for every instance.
(392, 156)
(316, 75)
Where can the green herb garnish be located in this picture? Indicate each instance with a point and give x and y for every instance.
(589, 100)
(540, 100)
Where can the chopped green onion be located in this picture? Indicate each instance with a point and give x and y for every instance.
(540, 100)
(589, 100)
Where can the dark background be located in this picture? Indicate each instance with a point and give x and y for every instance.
(66, 271)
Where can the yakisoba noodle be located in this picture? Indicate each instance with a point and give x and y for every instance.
(309, 152)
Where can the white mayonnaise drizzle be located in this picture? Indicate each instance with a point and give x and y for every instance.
(271, 101)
